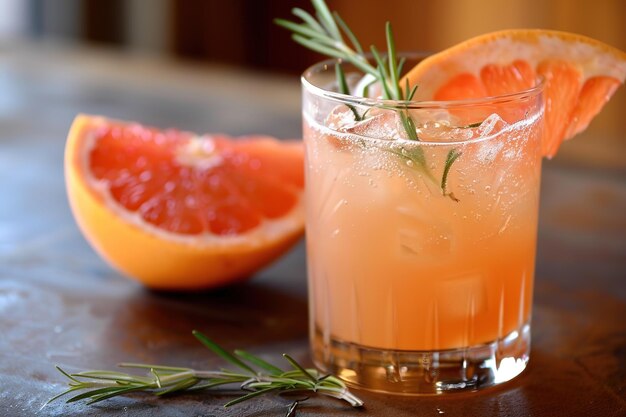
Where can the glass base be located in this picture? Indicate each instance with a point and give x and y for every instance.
(424, 372)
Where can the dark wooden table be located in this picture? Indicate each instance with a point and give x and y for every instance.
(60, 304)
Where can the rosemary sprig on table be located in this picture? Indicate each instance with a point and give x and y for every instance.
(324, 35)
(254, 376)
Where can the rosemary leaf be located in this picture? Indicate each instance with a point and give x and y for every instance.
(66, 374)
(156, 377)
(120, 391)
(113, 376)
(409, 125)
(297, 366)
(255, 360)
(349, 33)
(326, 19)
(218, 350)
(250, 395)
(393, 67)
(180, 386)
(341, 79)
(325, 50)
(213, 383)
(343, 89)
(307, 18)
(453, 155)
(306, 31)
(333, 380)
(382, 72)
(412, 92)
(93, 393)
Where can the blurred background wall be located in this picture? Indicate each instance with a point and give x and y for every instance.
(241, 32)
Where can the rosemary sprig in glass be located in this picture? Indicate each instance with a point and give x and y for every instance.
(323, 34)
(254, 376)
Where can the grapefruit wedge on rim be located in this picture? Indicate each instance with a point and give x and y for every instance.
(179, 211)
(580, 75)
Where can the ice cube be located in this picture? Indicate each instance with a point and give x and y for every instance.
(379, 124)
(339, 117)
(465, 295)
(490, 149)
(443, 131)
(491, 125)
(422, 236)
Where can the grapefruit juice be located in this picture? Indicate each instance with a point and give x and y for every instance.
(420, 269)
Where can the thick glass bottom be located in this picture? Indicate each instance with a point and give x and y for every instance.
(424, 372)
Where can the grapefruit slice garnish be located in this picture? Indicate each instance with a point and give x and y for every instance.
(580, 74)
(179, 211)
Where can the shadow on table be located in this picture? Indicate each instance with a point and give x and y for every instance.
(152, 326)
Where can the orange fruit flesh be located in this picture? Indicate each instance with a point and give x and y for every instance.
(577, 103)
(193, 185)
(178, 211)
(580, 76)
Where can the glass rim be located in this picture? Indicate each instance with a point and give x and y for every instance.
(321, 66)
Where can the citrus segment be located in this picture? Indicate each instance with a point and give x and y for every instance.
(580, 75)
(506, 79)
(594, 94)
(463, 85)
(179, 211)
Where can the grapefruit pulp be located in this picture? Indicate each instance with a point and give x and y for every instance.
(178, 211)
(580, 75)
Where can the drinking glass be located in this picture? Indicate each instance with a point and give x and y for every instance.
(421, 253)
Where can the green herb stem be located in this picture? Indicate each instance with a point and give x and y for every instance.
(96, 386)
(343, 89)
(323, 34)
(453, 155)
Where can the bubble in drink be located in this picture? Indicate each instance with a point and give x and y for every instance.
(443, 131)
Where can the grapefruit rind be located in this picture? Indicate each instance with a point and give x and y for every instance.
(594, 57)
(157, 258)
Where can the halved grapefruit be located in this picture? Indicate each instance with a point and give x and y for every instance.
(580, 74)
(179, 211)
